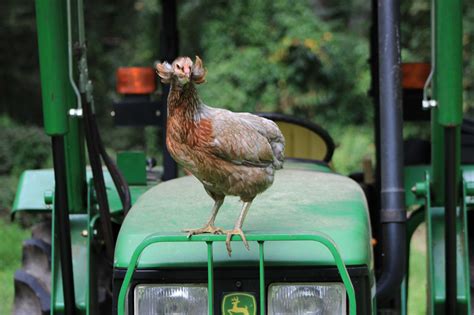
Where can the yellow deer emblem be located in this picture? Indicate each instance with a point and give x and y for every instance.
(237, 310)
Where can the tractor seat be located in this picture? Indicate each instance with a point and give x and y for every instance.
(305, 140)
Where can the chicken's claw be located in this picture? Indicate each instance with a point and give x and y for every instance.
(235, 231)
(211, 229)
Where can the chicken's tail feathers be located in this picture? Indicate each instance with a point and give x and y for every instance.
(278, 148)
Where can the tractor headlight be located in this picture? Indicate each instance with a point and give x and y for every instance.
(172, 299)
(306, 299)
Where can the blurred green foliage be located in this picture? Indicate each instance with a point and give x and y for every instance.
(280, 56)
(22, 147)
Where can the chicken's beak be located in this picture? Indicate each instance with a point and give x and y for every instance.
(187, 72)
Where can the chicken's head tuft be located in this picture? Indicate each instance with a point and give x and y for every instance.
(182, 71)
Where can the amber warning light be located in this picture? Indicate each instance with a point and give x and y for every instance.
(135, 80)
(414, 75)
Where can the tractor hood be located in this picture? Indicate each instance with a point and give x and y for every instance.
(300, 201)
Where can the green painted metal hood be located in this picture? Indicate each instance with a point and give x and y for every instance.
(300, 201)
(33, 184)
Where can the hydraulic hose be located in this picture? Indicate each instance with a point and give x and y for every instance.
(117, 177)
(98, 179)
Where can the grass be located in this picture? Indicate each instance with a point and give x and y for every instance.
(417, 279)
(10, 260)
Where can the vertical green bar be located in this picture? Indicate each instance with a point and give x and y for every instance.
(52, 39)
(75, 166)
(262, 277)
(210, 278)
(437, 158)
(448, 70)
(447, 28)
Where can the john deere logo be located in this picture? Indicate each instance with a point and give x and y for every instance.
(239, 304)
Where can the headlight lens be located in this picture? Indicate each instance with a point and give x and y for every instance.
(173, 299)
(306, 299)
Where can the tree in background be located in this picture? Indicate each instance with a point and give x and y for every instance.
(279, 56)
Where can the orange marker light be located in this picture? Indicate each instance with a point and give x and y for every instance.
(135, 80)
(414, 75)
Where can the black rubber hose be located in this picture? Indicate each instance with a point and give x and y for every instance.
(99, 182)
(119, 181)
(61, 211)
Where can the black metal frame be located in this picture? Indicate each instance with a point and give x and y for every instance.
(245, 279)
(451, 200)
(392, 192)
(169, 49)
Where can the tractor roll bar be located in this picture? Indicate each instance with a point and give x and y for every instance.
(393, 213)
(53, 68)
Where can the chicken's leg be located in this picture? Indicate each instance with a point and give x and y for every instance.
(209, 227)
(238, 228)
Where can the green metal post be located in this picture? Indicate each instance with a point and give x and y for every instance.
(446, 121)
(58, 96)
(261, 265)
(51, 23)
(447, 88)
(76, 164)
(210, 278)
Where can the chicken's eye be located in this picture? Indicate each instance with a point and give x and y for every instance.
(179, 67)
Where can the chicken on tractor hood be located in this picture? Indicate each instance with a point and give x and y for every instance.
(229, 153)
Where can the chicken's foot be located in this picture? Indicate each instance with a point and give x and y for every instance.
(230, 233)
(238, 229)
(209, 227)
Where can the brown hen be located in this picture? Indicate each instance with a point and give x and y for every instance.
(230, 153)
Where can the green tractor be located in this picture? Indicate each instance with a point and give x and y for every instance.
(320, 242)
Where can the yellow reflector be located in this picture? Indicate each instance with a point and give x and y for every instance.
(414, 75)
(135, 80)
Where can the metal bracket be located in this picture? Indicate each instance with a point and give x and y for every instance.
(420, 189)
(75, 112)
(427, 104)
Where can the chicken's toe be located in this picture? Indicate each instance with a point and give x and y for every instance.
(227, 244)
(211, 229)
(239, 232)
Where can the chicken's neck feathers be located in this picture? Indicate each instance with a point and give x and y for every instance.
(184, 101)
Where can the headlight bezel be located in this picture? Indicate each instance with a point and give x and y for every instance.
(169, 293)
(312, 288)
